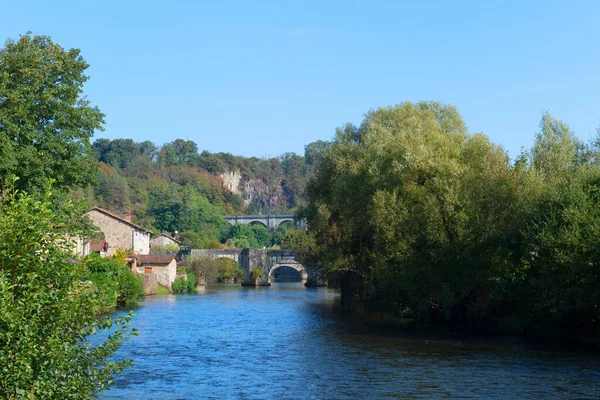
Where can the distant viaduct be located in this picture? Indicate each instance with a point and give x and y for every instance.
(270, 221)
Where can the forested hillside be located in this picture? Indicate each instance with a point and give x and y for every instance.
(175, 187)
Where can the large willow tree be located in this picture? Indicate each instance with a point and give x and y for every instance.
(412, 214)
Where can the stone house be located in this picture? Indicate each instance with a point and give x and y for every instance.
(120, 233)
(163, 266)
(163, 240)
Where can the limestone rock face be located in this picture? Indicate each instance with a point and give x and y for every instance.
(268, 196)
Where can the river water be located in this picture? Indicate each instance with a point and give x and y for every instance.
(288, 342)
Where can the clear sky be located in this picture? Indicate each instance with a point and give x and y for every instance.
(260, 78)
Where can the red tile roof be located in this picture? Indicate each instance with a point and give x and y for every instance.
(123, 220)
(145, 259)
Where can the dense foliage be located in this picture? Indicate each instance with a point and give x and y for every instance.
(48, 312)
(203, 268)
(229, 270)
(45, 121)
(114, 282)
(410, 213)
(184, 284)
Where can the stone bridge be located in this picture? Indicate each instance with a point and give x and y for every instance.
(268, 260)
(270, 221)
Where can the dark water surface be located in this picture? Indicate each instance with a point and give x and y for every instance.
(288, 342)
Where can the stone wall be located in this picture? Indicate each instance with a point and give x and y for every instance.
(165, 274)
(119, 235)
(150, 284)
(161, 242)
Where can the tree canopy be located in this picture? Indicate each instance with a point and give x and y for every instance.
(412, 214)
(45, 120)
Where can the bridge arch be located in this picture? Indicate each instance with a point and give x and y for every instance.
(278, 222)
(233, 257)
(258, 222)
(290, 264)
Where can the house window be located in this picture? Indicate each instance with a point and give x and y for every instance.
(147, 270)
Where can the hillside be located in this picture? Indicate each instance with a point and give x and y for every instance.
(176, 188)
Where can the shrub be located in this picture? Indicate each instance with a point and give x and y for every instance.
(191, 283)
(113, 281)
(180, 285)
(256, 273)
(184, 285)
(204, 269)
(229, 269)
(47, 313)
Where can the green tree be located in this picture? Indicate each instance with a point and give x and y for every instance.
(399, 206)
(179, 152)
(48, 314)
(115, 284)
(261, 235)
(45, 120)
(244, 235)
(204, 269)
(555, 149)
(282, 231)
(229, 269)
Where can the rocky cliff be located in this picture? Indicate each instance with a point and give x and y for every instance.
(258, 194)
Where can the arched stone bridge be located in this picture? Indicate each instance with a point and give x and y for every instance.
(268, 260)
(270, 221)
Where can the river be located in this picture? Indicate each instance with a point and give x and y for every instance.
(288, 342)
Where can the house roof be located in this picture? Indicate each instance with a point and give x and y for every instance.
(165, 259)
(123, 220)
(168, 237)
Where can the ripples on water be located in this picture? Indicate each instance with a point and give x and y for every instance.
(288, 342)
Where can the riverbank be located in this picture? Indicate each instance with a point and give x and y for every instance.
(387, 321)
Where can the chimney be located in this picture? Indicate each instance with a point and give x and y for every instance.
(128, 218)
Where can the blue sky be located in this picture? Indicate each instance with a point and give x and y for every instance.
(266, 77)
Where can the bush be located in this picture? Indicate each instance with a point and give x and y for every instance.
(116, 285)
(47, 313)
(229, 269)
(191, 283)
(184, 285)
(256, 273)
(180, 285)
(204, 269)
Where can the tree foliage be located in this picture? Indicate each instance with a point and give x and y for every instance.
(204, 269)
(229, 269)
(48, 313)
(410, 213)
(115, 284)
(45, 121)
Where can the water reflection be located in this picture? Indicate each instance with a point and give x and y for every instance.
(289, 342)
